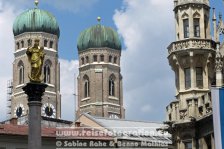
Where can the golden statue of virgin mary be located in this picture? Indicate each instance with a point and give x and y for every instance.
(36, 57)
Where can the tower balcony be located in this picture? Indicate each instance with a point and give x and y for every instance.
(191, 44)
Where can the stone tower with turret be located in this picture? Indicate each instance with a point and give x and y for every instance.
(99, 81)
(28, 26)
(192, 58)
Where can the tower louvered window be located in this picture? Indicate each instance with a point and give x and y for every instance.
(86, 88)
(47, 73)
(111, 87)
(21, 74)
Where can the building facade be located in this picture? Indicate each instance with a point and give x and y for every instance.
(31, 25)
(129, 133)
(196, 60)
(99, 81)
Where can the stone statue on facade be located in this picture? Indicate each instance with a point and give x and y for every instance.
(36, 57)
(218, 61)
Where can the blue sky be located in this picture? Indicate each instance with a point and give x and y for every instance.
(218, 4)
(72, 23)
(146, 28)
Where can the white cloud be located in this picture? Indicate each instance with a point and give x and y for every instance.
(7, 16)
(147, 29)
(146, 109)
(69, 71)
(16, 5)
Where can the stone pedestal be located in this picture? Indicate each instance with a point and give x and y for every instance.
(34, 92)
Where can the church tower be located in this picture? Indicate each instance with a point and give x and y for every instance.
(99, 81)
(31, 25)
(192, 58)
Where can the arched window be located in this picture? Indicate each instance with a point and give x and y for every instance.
(186, 28)
(47, 72)
(187, 75)
(29, 42)
(82, 60)
(102, 58)
(17, 45)
(22, 44)
(21, 72)
(185, 19)
(45, 43)
(196, 27)
(110, 59)
(51, 44)
(86, 86)
(115, 60)
(94, 58)
(87, 59)
(111, 86)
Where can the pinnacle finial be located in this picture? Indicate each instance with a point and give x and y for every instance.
(220, 15)
(214, 16)
(99, 19)
(36, 3)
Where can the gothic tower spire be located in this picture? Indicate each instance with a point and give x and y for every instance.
(215, 30)
(192, 58)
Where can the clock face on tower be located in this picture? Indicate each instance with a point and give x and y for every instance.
(19, 110)
(48, 110)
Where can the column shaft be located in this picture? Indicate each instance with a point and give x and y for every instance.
(34, 136)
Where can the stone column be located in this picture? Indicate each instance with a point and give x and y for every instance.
(204, 144)
(34, 92)
(191, 25)
(193, 143)
(192, 69)
(182, 146)
(218, 67)
(178, 143)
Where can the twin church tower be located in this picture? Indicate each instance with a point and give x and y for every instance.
(99, 80)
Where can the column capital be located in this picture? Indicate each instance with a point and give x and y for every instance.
(34, 91)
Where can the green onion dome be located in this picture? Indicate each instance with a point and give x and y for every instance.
(36, 20)
(98, 36)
